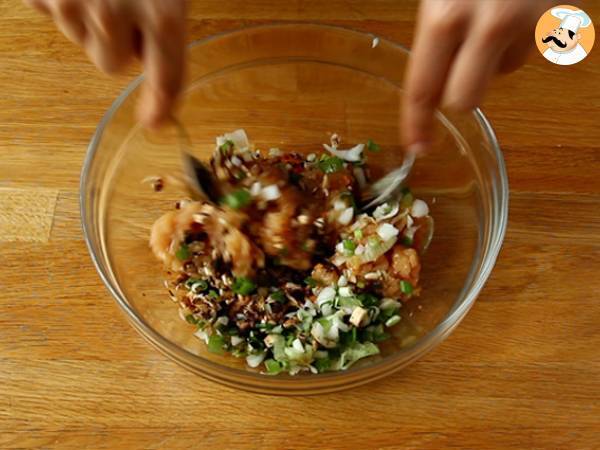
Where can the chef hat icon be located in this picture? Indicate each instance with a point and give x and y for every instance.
(572, 19)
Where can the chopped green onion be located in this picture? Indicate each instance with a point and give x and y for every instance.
(406, 287)
(278, 296)
(326, 324)
(216, 344)
(273, 367)
(349, 245)
(310, 281)
(368, 300)
(213, 294)
(405, 190)
(407, 241)
(358, 234)
(183, 252)
(191, 319)
(392, 321)
(237, 199)
(331, 165)
(239, 175)
(243, 286)
(379, 334)
(322, 364)
(226, 147)
(238, 352)
(360, 284)
(373, 242)
(407, 200)
(372, 146)
(196, 284)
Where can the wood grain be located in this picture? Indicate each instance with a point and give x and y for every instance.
(522, 370)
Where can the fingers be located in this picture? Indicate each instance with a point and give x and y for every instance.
(39, 5)
(110, 37)
(69, 18)
(113, 31)
(517, 53)
(437, 39)
(514, 57)
(473, 69)
(163, 57)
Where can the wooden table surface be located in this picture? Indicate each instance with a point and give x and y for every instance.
(522, 370)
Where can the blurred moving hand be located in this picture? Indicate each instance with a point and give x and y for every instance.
(459, 45)
(113, 32)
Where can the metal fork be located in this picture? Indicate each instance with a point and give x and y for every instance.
(199, 178)
(388, 186)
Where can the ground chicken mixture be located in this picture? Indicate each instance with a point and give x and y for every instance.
(284, 270)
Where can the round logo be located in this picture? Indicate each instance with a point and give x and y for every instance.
(565, 35)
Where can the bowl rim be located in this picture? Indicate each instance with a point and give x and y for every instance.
(417, 350)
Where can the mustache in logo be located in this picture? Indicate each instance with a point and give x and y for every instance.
(556, 41)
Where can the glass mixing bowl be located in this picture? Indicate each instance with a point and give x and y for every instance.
(291, 86)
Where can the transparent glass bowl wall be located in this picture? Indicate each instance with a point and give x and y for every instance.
(291, 86)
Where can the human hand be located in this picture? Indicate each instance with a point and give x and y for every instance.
(459, 45)
(113, 32)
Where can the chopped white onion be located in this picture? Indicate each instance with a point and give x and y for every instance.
(409, 221)
(201, 334)
(338, 260)
(342, 281)
(238, 137)
(223, 320)
(351, 155)
(271, 192)
(274, 152)
(255, 360)
(333, 333)
(311, 157)
(410, 232)
(358, 223)
(255, 189)
(359, 250)
(236, 340)
(237, 162)
(375, 42)
(318, 332)
(338, 205)
(386, 211)
(345, 291)
(297, 344)
(419, 208)
(339, 324)
(340, 247)
(387, 231)
(389, 303)
(327, 294)
(372, 253)
(346, 216)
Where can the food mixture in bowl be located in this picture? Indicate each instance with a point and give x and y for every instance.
(285, 270)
